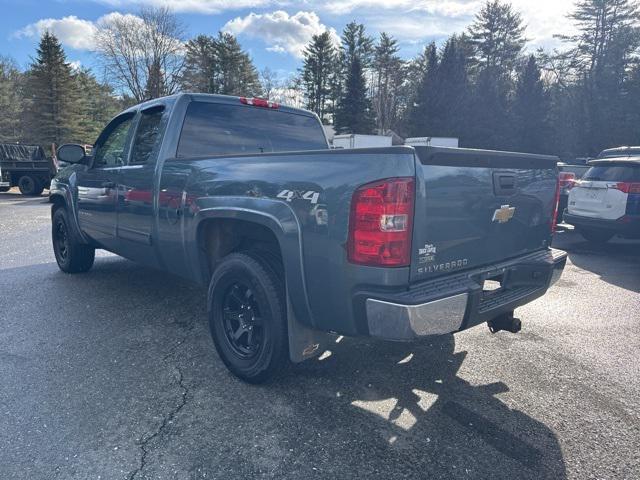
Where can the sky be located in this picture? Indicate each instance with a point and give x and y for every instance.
(274, 32)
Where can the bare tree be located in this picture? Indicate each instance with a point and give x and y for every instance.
(270, 82)
(144, 54)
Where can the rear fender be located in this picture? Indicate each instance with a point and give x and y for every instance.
(280, 220)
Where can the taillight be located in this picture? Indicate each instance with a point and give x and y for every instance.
(380, 224)
(567, 180)
(259, 102)
(554, 222)
(627, 187)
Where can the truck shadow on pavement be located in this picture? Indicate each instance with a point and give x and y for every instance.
(367, 410)
(421, 417)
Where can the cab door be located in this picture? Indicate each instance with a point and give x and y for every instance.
(98, 184)
(137, 209)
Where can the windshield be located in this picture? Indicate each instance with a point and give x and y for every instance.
(219, 129)
(613, 173)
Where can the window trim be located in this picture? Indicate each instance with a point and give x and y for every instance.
(138, 119)
(105, 134)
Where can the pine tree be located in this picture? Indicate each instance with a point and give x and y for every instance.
(318, 70)
(453, 87)
(355, 43)
(388, 72)
(236, 74)
(53, 98)
(601, 54)
(354, 113)
(423, 107)
(498, 35)
(99, 105)
(530, 110)
(11, 103)
(200, 65)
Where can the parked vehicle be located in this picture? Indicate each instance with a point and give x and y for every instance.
(297, 242)
(620, 152)
(26, 167)
(568, 175)
(451, 142)
(606, 201)
(361, 141)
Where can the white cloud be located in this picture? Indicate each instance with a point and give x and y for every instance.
(199, 6)
(411, 20)
(71, 31)
(283, 32)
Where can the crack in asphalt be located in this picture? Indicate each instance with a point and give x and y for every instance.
(165, 421)
(168, 418)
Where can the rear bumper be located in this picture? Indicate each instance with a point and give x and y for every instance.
(457, 302)
(629, 225)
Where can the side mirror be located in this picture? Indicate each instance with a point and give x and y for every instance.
(71, 153)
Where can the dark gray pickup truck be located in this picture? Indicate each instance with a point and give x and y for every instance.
(297, 242)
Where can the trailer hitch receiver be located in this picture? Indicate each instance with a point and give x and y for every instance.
(505, 322)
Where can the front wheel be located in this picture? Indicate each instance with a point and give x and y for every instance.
(71, 255)
(247, 317)
(598, 237)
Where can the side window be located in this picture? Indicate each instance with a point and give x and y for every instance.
(109, 150)
(147, 138)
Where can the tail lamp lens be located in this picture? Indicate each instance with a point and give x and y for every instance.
(380, 225)
(567, 180)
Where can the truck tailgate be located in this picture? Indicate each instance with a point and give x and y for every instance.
(478, 207)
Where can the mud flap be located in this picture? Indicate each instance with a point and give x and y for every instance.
(305, 342)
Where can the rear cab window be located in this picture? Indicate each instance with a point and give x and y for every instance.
(613, 173)
(224, 129)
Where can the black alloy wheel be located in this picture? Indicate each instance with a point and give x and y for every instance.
(61, 239)
(243, 325)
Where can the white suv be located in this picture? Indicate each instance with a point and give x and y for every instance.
(606, 201)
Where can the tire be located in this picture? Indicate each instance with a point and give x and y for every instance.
(71, 255)
(30, 186)
(597, 237)
(247, 317)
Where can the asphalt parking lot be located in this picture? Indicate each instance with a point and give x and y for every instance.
(112, 374)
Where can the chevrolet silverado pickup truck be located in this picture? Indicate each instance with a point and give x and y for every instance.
(298, 243)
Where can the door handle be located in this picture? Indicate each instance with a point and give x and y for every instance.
(108, 185)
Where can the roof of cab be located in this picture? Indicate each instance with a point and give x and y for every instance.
(211, 98)
(616, 160)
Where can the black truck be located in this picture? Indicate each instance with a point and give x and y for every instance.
(297, 242)
(26, 167)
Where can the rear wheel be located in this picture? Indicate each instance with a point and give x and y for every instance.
(30, 186)
(599, 237)
(71, 255)
(247, 317)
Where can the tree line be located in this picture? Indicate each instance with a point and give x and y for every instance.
(143, 57)
(481, 85)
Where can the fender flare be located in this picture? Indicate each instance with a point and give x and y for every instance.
(280, 219)
(63, 192)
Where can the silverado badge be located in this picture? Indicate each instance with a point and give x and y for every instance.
(503, 214)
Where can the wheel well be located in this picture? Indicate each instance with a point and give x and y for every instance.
(56, 201)
(219, 237)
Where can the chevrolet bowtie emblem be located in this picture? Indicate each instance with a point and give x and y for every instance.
(503, 214)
